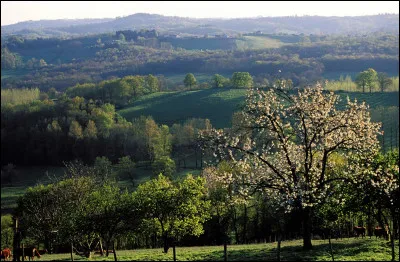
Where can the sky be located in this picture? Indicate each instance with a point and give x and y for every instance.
(17, 11)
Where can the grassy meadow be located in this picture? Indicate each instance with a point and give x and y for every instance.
(176, 107)
(348, 249)
(257, 42)
(219, 104)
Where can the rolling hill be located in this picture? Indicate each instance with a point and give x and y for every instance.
(174, 24)
(218, 105)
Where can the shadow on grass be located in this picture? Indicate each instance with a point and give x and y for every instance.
(290, 253)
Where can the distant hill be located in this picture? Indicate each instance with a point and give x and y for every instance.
(48, 24)
(177, 25)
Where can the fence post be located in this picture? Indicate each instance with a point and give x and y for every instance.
(15, 240)
(115, 253)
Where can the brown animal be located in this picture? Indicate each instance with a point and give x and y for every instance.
(381, 232)
(6, 254)
(29, 252)
(359, 231)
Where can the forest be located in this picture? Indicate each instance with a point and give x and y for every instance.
(231, 145)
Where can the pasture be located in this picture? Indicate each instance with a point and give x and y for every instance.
(176, 107)
(218, 105)
(349, 249)
(257, 42)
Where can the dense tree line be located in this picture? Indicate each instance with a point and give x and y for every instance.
(299, 61)
(50, 132)
(119, 92)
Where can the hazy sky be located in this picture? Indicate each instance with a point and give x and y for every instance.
(14, 12)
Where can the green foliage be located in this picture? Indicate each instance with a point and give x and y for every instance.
(173, 209)
(125, 167)
(90, 130)
(189, 80)
(163, 165)
(242, 80)
(9, 60)
(75, 130)
(7, 232)
(103, 167)
(119, 91)
(152, 84)
(19, 96)
(366, 79)
(219, 81)
(383, 81)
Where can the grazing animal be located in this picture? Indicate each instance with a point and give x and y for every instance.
(6, 254)
(359, 231)
(381, 232)
(29, 252)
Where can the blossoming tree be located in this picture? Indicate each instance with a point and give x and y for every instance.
(285, 143)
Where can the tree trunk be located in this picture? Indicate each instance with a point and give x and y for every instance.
(72, 251)
(307, 245)
(244, 237)
(330, 246)
(101, 248)
(107, 245)
(235, 226)
(279, 246)
(225, 252)
(166, 244)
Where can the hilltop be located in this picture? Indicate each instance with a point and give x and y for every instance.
(183, 25)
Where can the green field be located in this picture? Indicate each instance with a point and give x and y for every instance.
(257, 42)
(219, 104)
(176, 107)
(343, 250)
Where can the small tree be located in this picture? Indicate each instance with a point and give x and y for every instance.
(241, 80)
(173, 209)
(164, 165)
(383, 81)
(219, 81)
(110, 213)
(366, 79)
(125, 167)
(189, 80)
